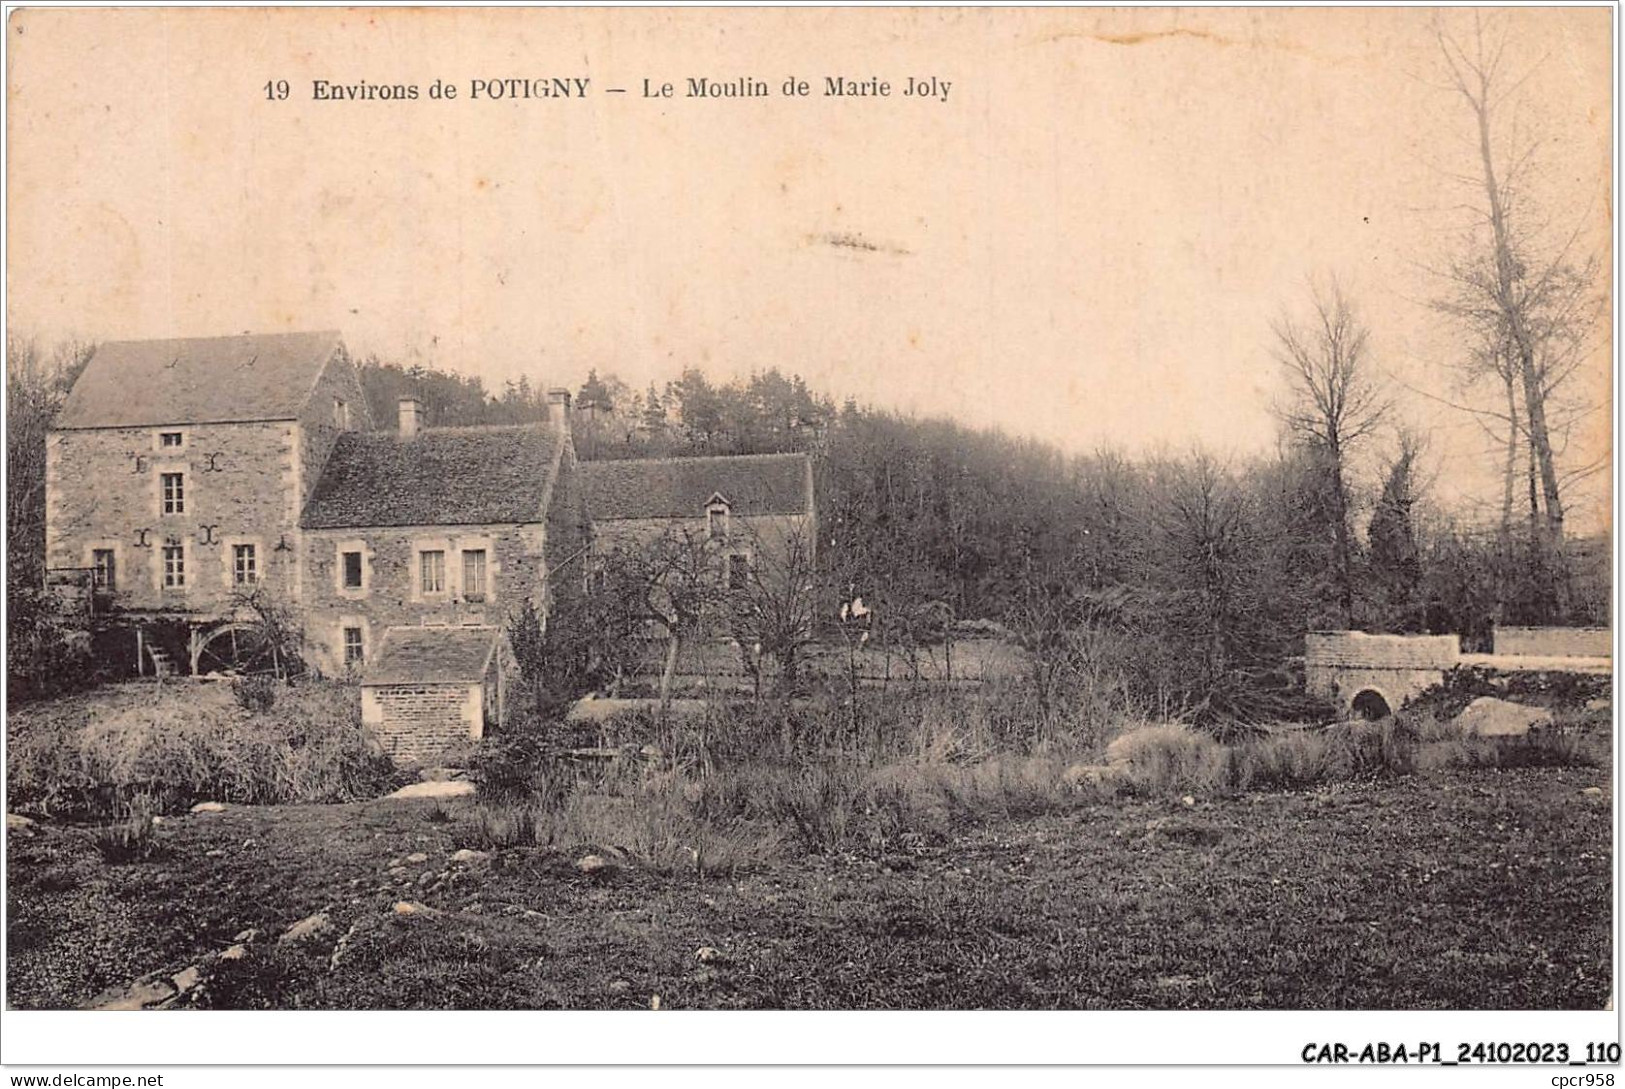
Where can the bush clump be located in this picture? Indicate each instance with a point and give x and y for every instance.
(90, 756)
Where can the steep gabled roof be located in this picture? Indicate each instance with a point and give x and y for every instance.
(433, 655)
(150, 383)
(682, 487)
(445, 476)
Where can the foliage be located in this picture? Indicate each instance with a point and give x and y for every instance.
(256, 693)
(129, 838)
(89, 755)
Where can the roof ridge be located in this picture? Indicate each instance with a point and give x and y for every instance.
(678, 459)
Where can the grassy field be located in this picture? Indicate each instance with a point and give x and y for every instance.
(1453, 889)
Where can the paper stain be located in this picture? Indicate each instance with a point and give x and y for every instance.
(851, 240)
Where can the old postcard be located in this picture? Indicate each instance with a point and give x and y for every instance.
(813, 509)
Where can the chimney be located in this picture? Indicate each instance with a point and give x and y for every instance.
(558, 408)
(411, 416)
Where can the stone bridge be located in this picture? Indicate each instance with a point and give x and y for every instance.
(1374, 675)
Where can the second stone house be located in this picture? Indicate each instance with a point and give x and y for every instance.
(440, 526)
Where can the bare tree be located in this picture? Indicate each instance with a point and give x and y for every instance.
(1530, 304)
(770, 595)
(1335, 403)
(673, 582)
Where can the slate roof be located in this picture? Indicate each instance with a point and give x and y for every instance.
(446, 476)
(681, 487)
(433, 655)
(148, 383)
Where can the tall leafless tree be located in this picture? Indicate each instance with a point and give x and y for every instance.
(1528, 301)
(1335, 403)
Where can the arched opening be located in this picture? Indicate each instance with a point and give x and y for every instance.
(1370, 705)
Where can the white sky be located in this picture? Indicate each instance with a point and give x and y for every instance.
(1086, 243)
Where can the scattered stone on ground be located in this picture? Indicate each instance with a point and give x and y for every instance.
(437, 788)
(708, 954)
(591, 864)
(1490, 717)
(252, 934)
(440, 775)
(308, 927)
(234, 952)
(186, 979)
(137, 996)
(619, 986)
(1189, 801)
(1600, 703)
(468, 854)
(209, 807)
(416, 857)
(16, 822)
(1594, 792)
(412, 907)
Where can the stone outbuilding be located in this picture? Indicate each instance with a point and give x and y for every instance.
(432, 688)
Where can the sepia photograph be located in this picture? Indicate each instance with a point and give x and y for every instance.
(804, 509)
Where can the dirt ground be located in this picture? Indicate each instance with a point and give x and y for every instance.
(1476, 890)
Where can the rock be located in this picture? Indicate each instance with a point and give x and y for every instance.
(469, 855)
(138, 996)
(309, 927)
(1601, 703)
(209, 807)
(1592, 792)
(252, 934)
(16, 822)
(592, 864)
(1491, 717)
(216, 853)
(234, 952)
(709, 954)
(440, 775)
(412, 907)
(186, 979)
(619, 986)
(1189, 801)
(1126, 747)
(438, 788)
(416, 857)
(425, 877)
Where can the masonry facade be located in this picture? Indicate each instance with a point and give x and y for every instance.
(186, 476)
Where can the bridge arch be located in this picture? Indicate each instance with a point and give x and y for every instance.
(1371, 704)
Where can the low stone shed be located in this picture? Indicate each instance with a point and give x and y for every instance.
(432, 688)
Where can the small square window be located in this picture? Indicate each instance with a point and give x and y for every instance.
(244, 564)
(170, 440)
(355, 652)
(432, 572)
(173, 487)
(174, 567)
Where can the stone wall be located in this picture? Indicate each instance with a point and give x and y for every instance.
(1340, 665)
(1555, 642)
(390, 595)
(240, 486)
(417, 723)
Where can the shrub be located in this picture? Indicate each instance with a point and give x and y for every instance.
(130, 838)
(256, 692)
(82, 756)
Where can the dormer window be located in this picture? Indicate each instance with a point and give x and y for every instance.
(716, 518)
(171, 440)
